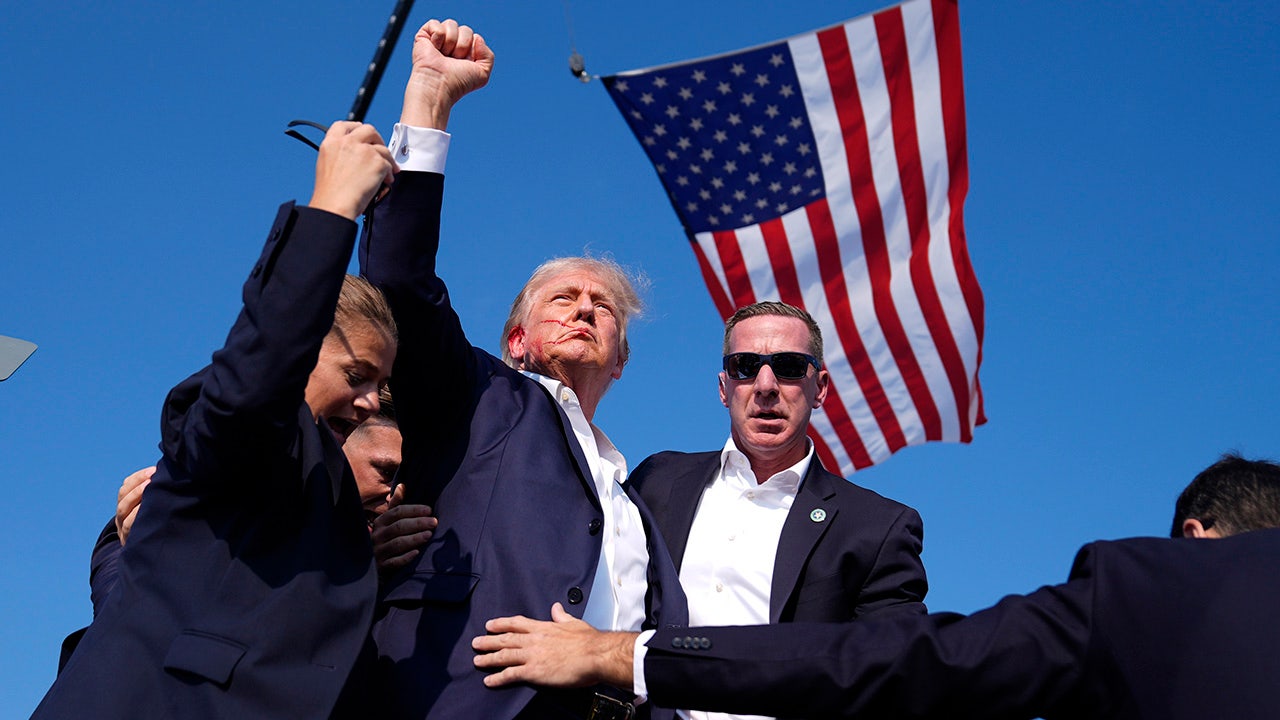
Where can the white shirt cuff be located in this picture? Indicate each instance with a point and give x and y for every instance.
(639, 686)
(419, 149)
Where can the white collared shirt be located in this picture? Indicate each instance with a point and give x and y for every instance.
(727, 570)
(617, 594)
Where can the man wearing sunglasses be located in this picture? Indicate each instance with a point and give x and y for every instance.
(759, 530)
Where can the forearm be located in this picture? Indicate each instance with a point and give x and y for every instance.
(247, 400)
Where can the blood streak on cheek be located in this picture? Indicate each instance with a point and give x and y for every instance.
(563, 324)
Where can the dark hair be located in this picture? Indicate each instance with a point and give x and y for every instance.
(1233, 495)
(781, 309)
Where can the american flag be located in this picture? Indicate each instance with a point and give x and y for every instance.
(829, 171)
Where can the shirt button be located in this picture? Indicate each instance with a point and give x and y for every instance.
(751, 496)
(619, 582)
(719, 587)
(564, 396)
(732, 537)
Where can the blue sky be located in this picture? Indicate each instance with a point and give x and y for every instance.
(1121, 221)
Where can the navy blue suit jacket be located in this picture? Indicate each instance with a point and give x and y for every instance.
(488, 448)
(1148, 628)
(248, 584)
(862, 557)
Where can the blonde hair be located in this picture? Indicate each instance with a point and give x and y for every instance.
(360, 300)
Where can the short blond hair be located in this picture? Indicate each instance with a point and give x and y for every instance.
(360, 300)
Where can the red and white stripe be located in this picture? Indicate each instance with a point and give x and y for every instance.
(881, 261)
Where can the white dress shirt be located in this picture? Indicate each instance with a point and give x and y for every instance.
(616, 601)
(727, 570)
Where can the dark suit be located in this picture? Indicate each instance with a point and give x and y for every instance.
(1144, 628)
(488, 448)
(863, 557)
(104, 567)
(248, 583)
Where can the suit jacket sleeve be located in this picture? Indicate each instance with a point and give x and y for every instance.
(436, 367)
(225, 422)
(103, 565)
(1025, 656)
(897, 581)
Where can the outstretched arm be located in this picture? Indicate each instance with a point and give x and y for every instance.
(221, 423)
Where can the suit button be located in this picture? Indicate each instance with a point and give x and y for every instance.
(704, 643)
(575, 595)
(594, 526)
(676, 642)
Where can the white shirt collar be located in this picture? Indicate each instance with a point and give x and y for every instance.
(789, 480)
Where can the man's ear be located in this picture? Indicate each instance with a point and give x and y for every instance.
(617, 369)
(515, 344)
(724, 389)
(1193, 528)
(824, 385)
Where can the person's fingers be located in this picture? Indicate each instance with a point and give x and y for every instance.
(462, 48)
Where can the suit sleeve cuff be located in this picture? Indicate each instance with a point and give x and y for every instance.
(419, 149)
(639, 686)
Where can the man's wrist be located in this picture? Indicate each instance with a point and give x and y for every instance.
(419, 149)
(638, 650)
(426, 101)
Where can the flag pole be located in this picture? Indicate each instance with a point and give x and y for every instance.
(364, 94)
(372, 76)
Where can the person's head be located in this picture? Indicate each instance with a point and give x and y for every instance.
(373, 452)
(1231, 496)
(355, 359)
(572, 314)
(770, 399)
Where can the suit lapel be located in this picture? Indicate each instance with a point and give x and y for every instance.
(318, 444)
(682, 504)
(811, 514)
(575, 448)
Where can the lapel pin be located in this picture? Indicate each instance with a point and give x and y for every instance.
(818, 515)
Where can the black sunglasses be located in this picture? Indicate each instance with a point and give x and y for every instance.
(786, 365)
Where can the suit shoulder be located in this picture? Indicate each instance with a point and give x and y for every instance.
(849, 491)
(669, 459)
(660, 467)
